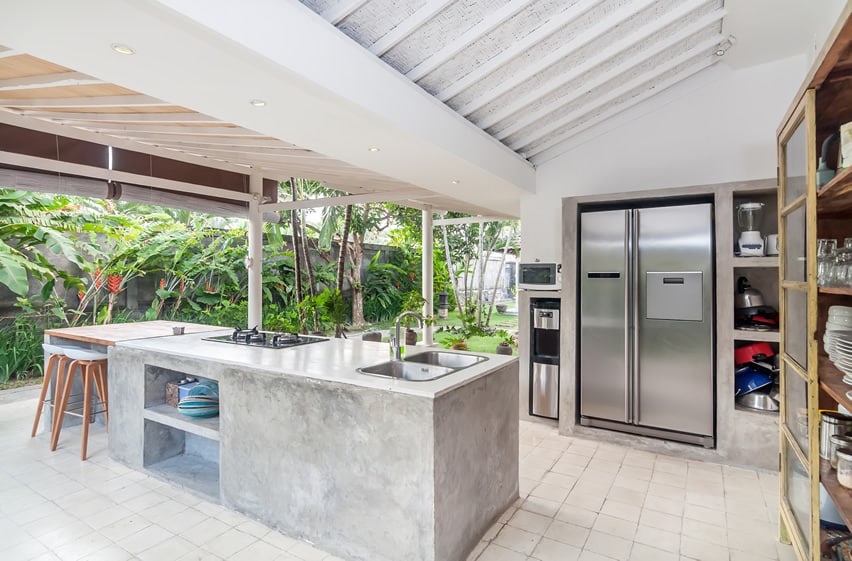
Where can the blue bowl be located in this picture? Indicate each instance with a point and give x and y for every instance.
(748, 379)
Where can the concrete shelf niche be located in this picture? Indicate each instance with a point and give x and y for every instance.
(180, 449)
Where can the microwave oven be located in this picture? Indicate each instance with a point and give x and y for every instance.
(540, 276)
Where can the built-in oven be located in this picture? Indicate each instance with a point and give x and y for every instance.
(544, 357)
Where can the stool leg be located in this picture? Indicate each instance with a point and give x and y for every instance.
(51, 363)
(101, 387)
(88, 374)
(59, 409)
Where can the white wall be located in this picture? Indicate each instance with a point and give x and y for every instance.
(717, 127)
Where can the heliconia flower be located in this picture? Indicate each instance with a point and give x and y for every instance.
(209, 288)
(162, 284)
(80, 294)
(99, 281)
(114, 283)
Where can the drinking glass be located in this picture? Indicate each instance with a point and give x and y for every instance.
(825, 261)
(847, 243)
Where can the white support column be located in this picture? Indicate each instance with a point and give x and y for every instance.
(428, 272)
(254, 260)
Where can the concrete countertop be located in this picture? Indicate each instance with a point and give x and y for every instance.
(335, 360)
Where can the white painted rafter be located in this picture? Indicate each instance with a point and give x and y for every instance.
(242, 152)
(56, 80)
(406, 27)
(67, 117)
(468, 220)
(488, 23)
(615, 93)
(599, 58)
(550, 149)
(177, 139)
(342, 10)
(345, 200)
(86, 102)
(520, 46)
(581, 40)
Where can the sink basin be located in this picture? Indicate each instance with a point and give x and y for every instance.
(456, 361)
(407, 370)
(424, 366)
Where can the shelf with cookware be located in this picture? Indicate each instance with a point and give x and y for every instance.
(815, 211)
(755, 275)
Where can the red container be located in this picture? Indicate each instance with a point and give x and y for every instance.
(754, 351)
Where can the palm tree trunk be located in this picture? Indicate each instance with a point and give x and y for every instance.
(312, 282)
(344, 242)
(294, 224)
(499, 276)
(453, 280)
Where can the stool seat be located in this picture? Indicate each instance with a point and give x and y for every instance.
(58, 349)
(78, 353)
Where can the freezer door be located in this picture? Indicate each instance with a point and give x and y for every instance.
(545, 390)
(604, 333)
(674, 373)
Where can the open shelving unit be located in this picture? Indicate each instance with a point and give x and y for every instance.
(810, 382)
(180, 449)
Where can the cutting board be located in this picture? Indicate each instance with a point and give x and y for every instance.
(111, 334)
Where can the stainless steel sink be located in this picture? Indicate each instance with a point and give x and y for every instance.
(407, 370)
(456, 361)
(424, 366)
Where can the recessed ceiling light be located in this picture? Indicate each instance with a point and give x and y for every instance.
(374, 149)
(455, 181)
(122, 49)
(258, 103)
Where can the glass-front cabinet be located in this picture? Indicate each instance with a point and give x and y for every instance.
(815, 270)
(796, 202)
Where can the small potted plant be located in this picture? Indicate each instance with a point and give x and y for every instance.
(506, 344)
(455, 342)
(372, 334)
(501, 307)
(413, 303)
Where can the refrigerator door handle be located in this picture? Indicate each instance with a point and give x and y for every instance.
(634, 314)
(628, 354)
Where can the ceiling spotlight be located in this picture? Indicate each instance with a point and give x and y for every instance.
(122, 49)
(455, 181)
(374, 149)
(726, 44)
(258, 103)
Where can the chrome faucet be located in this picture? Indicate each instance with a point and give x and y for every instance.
(396, 346)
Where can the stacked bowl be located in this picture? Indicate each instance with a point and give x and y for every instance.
(837, 340)
(202, 400)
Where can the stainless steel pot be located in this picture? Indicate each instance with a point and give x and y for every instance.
(831, 423)
(746, 296)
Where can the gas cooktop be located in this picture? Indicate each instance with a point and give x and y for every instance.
(269, 339)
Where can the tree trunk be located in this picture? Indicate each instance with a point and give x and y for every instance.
(294, 224)
(356, 257)
(499, 276)
(344, 242)
(306, 256)
(454, 281)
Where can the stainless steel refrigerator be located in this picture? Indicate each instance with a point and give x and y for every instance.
(646, 321)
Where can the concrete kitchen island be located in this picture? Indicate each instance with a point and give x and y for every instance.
(368, 468)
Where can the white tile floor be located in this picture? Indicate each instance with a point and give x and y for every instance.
(580, 500)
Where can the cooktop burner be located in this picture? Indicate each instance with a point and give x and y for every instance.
(270, 339)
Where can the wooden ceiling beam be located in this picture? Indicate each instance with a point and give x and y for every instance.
(342, 10)
(549, 149)
(58, 79)
(6, 52)
(488, 23)
(575, 74)
(60, 116)
(84, 102)
(413, 22)
(517, 48)
(579, 41)
(142, 128)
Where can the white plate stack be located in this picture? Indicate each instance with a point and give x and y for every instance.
(838, 339)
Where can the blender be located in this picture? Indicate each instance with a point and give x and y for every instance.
(748, 217)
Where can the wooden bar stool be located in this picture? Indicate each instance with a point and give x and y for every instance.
(93, 369)
(58, 361)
